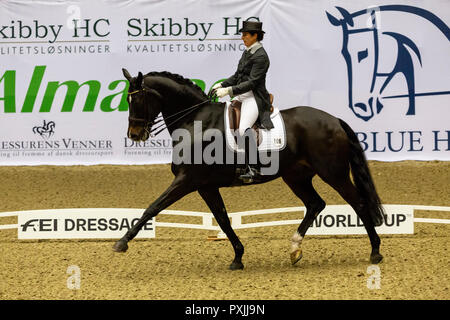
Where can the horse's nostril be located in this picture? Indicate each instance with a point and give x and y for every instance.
(133, 136)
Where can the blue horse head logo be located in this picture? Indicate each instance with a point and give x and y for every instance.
(365, 105)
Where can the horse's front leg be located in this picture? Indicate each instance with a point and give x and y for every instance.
(178, 189)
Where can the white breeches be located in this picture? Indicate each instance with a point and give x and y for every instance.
(249, 111)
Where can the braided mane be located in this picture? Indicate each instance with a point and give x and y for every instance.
(178, 79)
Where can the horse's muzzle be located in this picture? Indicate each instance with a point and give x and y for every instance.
(138, 133)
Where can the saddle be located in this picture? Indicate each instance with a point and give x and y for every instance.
(234, 114)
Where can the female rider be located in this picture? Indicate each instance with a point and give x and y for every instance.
(248, 85)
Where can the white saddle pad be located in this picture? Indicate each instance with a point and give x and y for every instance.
(272, 140)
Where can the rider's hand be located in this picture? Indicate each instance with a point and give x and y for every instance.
(212, 93)
(217, 86)
(222, 92)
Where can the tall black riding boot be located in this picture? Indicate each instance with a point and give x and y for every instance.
(251, 148)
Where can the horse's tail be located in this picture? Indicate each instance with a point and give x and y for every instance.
(362, 177)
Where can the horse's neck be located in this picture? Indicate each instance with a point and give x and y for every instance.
(178, 100)
(180, 105)
(180, 110)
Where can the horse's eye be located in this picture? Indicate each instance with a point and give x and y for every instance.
(362, 55)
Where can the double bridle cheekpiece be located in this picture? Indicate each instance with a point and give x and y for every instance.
(148, 123)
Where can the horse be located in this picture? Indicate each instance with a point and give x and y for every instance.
(46, 130)
(317, 143)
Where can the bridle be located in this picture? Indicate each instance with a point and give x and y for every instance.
(148, 124)
(146, 121)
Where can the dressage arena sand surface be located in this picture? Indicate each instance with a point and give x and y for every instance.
(182, 264)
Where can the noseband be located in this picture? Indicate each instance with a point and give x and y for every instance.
(145, 121)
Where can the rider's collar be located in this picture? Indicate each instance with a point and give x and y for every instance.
(254, 47)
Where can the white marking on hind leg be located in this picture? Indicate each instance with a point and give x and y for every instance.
(296, 242)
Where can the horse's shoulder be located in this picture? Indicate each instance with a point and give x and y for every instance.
(213, 114)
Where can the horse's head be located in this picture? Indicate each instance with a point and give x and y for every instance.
(360, 51)
(144, 106)
(369, 73)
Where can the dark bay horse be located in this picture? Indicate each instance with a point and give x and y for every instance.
(317, 143)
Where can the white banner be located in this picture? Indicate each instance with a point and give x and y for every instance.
(342, 220)
(81, 224)
(383, 69)
(113, 223)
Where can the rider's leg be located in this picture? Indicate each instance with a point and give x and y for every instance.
(249, 115)
(251, 157)
(249, 112)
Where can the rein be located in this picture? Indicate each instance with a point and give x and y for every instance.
(185, 111)
(164, 126)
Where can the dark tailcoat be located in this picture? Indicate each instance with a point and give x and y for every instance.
(251, 75)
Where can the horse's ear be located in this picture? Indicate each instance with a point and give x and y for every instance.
(333, 20)
(346, 15)
(126, 74)
(139, 79)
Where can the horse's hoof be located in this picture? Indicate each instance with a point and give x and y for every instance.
(296, 256)
(236, 266)
(120, 246)
(375, 258)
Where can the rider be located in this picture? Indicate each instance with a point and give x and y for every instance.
(248, 85)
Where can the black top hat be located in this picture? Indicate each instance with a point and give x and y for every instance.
(252, 26)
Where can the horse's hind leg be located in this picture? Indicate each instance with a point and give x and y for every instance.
(215, 203)
(301, 185)
(348, 191)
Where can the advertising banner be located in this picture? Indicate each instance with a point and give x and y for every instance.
(63, 98)
(95, 223)
(342, 220)
(113, 223)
